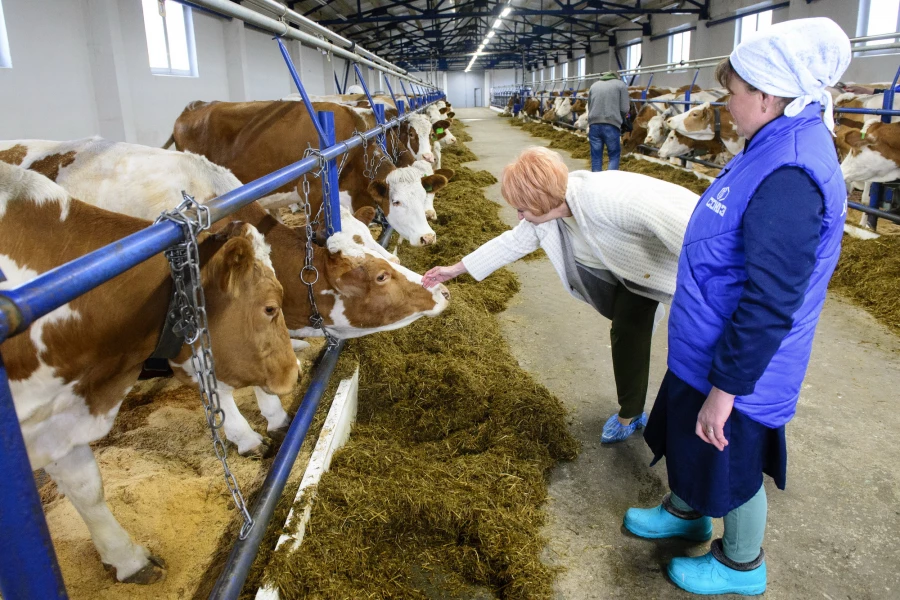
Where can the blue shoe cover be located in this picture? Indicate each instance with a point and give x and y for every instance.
(656, 523)
(706, 575)
(613, 431)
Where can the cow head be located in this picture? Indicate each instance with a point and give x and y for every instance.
(402, 200)
(419, 143)
(244, 305)
(440, 133)
(874, 153)
(697, 123)
(367, 294)
(674, 145)
(656, 130)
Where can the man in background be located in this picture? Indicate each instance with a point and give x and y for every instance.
(608, 104)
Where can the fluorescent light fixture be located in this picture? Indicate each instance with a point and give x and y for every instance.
(496, 23)
(506, 11)
(491, 34)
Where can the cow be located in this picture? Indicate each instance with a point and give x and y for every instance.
(253, 139)
(677, 145)
(530, 109)
(71, 369)
(857, 120)
(707, 122)
(444, 175)
(356, 295)
(874, 153)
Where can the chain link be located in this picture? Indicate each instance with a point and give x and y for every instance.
(190, 305)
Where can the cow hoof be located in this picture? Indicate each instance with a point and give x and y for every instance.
(153, 572)
(263, 450)
(278, 435)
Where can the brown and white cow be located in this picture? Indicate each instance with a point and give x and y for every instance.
(706, 123)
(71, 369)
(143, 182)
(857, 120)
(253, 139)
(874, 153)
(680, 145)
(432, 184)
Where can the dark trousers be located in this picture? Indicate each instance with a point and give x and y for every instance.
(632, 327)
(600, 135)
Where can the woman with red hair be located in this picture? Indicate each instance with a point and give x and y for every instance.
(613, 237)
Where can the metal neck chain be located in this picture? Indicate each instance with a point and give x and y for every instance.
(309, 275)
(190, 305)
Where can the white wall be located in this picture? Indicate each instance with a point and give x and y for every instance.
(461, 88)
(81, 68)
(49, 92)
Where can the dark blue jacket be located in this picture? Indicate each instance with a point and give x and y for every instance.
(712, 269)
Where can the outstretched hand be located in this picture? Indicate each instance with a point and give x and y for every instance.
(438, 275)
(711, 421)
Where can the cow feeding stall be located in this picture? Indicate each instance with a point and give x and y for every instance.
(29, 567)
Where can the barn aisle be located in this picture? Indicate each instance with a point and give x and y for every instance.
(832, 534)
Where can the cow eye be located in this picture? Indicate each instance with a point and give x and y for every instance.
(395, 203)
(382, 277)
(271, 311)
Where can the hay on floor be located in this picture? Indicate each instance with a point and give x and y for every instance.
(443, 479)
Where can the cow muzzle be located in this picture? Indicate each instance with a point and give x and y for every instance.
(427, 239)
(428, 157)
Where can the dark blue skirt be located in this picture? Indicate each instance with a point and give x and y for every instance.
(712, 482)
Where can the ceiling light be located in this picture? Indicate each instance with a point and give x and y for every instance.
(496, 23)
(491, 34)
(506, 11)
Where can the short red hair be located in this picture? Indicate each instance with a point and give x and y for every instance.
(535, 181)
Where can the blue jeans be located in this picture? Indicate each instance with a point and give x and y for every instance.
(604, 134)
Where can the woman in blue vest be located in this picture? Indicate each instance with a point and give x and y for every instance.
(758, 253)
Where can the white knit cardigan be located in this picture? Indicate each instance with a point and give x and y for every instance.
(633, 223)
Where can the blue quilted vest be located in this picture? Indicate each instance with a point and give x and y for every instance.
(711, 268)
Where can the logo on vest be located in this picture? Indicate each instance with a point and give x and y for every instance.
(717, 204)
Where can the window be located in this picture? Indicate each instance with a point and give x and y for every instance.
(533, 77)
(553, 72)
(747, 26)
(582, 66)
(877, 17)
(680, 47)
(170, 38)
(5, 58)
(633, 56)
(565, 70)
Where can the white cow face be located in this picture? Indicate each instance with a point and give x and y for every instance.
(673, 146)
(564, 108)
(656, 131)
(402, 198)
(422, 126)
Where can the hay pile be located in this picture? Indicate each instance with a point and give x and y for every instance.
(441, 484)
(868, 272)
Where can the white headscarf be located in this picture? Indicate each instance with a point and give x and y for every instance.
(795, 59)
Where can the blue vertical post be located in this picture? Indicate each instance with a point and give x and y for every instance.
(296, 78)
(337, 84)
(401, 107)
(387, 82)
(28, 567)
(876, 190)
(331, 195)
(687, 94)
(379, 120)
(412, 102)
(378, 109)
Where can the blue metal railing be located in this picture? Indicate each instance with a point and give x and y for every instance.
(28, 566)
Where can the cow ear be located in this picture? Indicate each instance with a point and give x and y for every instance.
(451, 114)
(433, 183)
(366, 214)
(381, 191)
(355, 282)
(439, 129)
(443, 110)
(232, 265)
(448, 173)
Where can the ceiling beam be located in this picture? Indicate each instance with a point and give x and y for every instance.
(573, 13)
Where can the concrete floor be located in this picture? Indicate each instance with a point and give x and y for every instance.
(833, 534)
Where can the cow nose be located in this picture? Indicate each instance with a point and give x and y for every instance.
(444, 291)
(427, 239)
(428, 156)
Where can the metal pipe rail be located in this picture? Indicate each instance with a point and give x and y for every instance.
(281, 28)
(28, 568)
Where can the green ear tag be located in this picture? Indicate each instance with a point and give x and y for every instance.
(439, 130)
(862, 135)
(429, 188)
